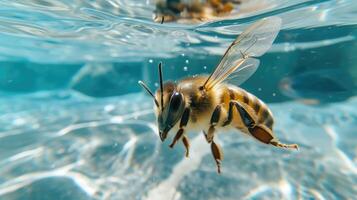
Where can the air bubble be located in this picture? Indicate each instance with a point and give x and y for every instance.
(185, 68)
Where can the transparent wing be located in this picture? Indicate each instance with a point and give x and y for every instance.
(253, 42)
(244, 72)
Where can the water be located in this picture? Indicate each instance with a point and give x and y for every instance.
(75, 124)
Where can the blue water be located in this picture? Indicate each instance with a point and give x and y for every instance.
(74, 124)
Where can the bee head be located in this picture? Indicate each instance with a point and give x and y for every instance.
(170, 105)
(171, 108)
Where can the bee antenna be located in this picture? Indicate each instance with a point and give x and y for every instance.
(161, 87)
(148, 90)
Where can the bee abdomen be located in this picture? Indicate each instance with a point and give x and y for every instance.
(261, 110)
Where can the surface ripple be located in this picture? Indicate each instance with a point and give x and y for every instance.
(53, 31)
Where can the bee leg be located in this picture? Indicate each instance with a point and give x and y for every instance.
(264, 134)
(214, 120)
(230, 114)
(217, 154)
(210, 134)
(260, 131)
(186, 143)
(184, 120)
(285, 146)
(215, 148)
(247, 119)
(177, 137)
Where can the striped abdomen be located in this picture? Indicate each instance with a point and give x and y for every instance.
(253, 104)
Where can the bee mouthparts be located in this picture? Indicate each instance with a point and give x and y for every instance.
(163, 136)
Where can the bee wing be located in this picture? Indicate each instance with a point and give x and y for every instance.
(253, 42)
(244, 72)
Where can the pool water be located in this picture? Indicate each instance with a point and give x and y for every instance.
(74, 123)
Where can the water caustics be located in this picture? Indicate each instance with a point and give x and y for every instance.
(107, 152)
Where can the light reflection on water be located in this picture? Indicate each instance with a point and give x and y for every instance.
(77, 31)
(100, 151)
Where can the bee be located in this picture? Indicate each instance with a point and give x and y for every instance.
(173, 10)
(210, 103)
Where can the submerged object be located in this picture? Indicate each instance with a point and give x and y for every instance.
(318, 86)
(172, 10)
(209, 102)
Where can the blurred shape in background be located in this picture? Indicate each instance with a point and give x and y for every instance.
(201, 10)
(319, 86)
(191, 11)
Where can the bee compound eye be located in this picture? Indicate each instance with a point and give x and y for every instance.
(176, 101)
